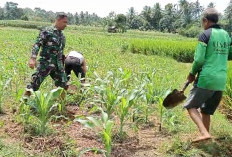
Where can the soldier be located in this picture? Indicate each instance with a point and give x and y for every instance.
(52, 42)
(75, 61)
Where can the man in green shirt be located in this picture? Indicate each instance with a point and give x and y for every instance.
(210, 63)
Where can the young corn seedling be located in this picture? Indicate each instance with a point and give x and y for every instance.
(172, 121)
(102, 126)
(144, 110)
(159, 101)
(82, 94)
(111, 99)
(62, 101)
(125, 77)
(43, 104)
(110, 93)
(3, 87)
(16, 86)
(25, 113)
(149, 99)
(124, 107)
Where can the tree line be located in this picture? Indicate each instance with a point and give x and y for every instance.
(183, 17)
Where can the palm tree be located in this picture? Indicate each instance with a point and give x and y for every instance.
(211, 5)
(156, 15)
(228, 16)
(130, 16)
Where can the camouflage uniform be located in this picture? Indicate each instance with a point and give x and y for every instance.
(51, 55)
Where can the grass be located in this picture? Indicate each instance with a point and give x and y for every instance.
(10, 149)
(180, 50)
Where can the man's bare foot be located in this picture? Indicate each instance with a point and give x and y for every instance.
(202, 138)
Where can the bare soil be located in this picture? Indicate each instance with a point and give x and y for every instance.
(144, 143)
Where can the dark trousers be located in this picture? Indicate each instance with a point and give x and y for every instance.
(73, 63)
(44, 69)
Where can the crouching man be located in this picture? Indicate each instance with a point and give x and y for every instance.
(75, 61)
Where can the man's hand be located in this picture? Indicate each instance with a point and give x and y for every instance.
(84, 69)
(191, 78)
(32, 63)
(84, 66)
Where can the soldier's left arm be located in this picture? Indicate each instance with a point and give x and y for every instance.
(38, 43)
(61, 56)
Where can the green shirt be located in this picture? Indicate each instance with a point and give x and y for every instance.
(210, 59)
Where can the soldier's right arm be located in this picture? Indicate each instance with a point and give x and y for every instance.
(41, 39)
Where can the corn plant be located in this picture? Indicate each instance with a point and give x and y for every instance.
(102, 126)
(125, 77)
(171, 120)
(148, 92)
(3, 87)
(81, 94)
(62, 101)
(149, 99)
(43, 104)
(111, 99)
(25, 113)
(18, 91)
(110, 92)
(159, 101)
(127, 101)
